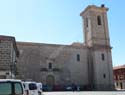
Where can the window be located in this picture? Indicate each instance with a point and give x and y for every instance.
(99, 20)
(103, 56)
(5, 88)
(78, 57)
(86, 22)
(121, 85)
(11, 88)
(18, 88)
(104, 76)
(116, 83)
(32, 86)
(50, 65)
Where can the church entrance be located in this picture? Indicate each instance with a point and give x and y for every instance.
(50, 80)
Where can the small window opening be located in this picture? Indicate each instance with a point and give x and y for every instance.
(104, 76)
(50, 65)
(103, 57)
(99, 20)
(121, 85)
(86, 22)
(116, 83)
(78, 57)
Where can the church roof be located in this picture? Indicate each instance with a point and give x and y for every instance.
(77, 44)
(73, 45)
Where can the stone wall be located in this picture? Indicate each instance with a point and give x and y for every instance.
(34, 62)
(5, 55)
(8, 55)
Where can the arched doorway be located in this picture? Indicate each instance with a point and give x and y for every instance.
(50, 80)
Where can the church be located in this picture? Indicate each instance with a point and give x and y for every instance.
(87, 65)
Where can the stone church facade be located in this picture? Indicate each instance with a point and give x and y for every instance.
(87, 64)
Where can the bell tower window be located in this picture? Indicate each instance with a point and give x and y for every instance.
(99, 20)
(86, 22)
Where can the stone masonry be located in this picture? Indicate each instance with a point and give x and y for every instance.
(8, 54)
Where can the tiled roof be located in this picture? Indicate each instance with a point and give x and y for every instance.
(119, 67)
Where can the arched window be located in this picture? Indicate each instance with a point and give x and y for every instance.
(99, 20)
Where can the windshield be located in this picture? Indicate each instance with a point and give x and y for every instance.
(32, 86)
(9, 88)
(5, 88)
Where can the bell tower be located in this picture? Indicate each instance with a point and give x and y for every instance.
(96, 35)
(95, 26)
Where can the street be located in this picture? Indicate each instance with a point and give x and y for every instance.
(86, 93)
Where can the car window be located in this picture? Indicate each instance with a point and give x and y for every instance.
(5, 88)
(18, 88)
(32, 86)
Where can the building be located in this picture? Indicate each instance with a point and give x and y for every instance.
(119, 76)
(8, 56)
(86, 65)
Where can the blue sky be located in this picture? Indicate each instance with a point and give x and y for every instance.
(58, 22)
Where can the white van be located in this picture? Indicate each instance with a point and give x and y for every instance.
(11, 87)
(30, 88)
(39, 87)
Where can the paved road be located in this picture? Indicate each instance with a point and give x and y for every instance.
(86, 93)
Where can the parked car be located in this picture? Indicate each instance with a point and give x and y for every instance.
(31, 88)
(45, 88)
(11, 87)
(70, 87)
